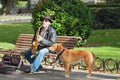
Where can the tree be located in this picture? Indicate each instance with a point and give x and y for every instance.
(71, 17)
(28, 4)
(8, 6)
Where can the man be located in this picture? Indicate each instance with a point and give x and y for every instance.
(47, 37)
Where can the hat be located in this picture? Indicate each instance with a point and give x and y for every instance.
(47, 17)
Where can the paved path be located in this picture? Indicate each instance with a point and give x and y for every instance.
(18, 18)
(58, 74)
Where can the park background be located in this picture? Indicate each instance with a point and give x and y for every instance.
(104, 39)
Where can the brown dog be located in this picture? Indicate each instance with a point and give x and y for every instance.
(73, 56)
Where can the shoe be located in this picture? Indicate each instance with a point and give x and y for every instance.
(32, 56)
(40, 68)
(28, 71)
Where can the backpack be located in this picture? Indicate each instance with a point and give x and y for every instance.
(10, 63)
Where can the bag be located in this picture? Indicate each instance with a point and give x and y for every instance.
(10, 63)
(13, 60)
(6, 69)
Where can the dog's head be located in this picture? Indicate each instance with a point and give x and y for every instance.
(57, 47)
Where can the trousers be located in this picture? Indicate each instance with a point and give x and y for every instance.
(35, 62)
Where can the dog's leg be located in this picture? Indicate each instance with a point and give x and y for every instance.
(89, 66)
(70, 68)
(67, 69)
(89, 70)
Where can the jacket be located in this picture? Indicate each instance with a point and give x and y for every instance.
(49, 39)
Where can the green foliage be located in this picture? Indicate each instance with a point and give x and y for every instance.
(107, 18)
(113, 5)
(21, 3)
(113, 1)
(70, 17)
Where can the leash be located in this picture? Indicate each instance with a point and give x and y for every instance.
(57, 60)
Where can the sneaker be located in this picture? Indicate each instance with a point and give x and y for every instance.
(28, 71)
(40, 68)
(32, 56)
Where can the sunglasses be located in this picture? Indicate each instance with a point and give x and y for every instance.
(46, 20)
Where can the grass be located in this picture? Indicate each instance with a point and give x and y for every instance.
(104, 43)
(10, 32)
(118, 79)
(109, 37)
(104, 51)
(21, 4)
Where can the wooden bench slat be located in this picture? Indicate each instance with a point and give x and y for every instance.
(25, 38)
(22, 49)
(27, 43)
(24, 41)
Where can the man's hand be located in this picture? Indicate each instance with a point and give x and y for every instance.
(39, 38)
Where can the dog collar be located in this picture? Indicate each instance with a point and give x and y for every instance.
(61, 52)
(58, 56)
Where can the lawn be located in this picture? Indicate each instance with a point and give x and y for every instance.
(104, 51)
(10, 32)
(109, 37)
(21, 4)
(104, 43)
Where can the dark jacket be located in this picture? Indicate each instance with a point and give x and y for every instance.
(49, 39)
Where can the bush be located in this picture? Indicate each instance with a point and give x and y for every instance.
(71, 17)
(107, 18)
(113, 5)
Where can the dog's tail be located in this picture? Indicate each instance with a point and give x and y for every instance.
(94, 59)
(93, 56)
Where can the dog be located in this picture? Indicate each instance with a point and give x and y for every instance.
(70, 56)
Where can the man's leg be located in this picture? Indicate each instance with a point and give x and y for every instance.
(27, 54)
(38, 59)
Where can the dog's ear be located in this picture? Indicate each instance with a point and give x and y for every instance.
(59, 46)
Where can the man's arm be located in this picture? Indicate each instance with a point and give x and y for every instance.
(52, 39)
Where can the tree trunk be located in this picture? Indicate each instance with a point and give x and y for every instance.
(9, 6)
(28, 4)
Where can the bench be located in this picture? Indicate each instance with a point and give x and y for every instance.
(24, 42)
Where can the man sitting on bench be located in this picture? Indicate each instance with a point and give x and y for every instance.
(47, 37)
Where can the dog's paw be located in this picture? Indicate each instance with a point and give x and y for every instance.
(66, 76)
(88, 76)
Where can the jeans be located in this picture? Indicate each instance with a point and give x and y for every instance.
(35, 62)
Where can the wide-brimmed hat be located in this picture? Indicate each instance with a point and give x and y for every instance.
(47, 17)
